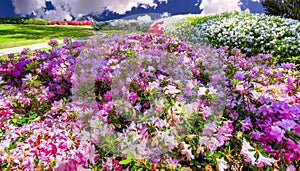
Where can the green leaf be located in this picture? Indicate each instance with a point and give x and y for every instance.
(173, 100)
(52, 162)
(133, 168)
(130, 154)
(140, 169)
(118, 125)
(14, 120)
(148, 166)
(125, 162)
(235, 82)
(210, 154)
(15, 104)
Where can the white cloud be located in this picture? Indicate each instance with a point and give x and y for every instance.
(27, 6)
(218, 6)
(165, 14)
(145, 18)
(161, 1)
(77, 8)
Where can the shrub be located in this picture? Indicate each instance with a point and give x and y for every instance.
(36, 21)
(252, 33)
(23, 20)
(182, 106)
(99, 25)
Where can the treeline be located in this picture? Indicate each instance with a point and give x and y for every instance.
(40, 21)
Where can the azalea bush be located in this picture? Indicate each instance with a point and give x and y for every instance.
(252, 33)
(99, 25)
(146, 102)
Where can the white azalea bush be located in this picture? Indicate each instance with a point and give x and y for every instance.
(252, 33)
(186, 28)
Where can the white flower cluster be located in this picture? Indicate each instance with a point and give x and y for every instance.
(252, 33)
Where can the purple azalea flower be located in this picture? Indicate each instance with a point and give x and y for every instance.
(287, 124)
(246, 124)
(256, 135)
(133, 97)
(277, 133)
(239, 76)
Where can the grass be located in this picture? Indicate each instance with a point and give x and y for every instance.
(4, 57)
(13, 35)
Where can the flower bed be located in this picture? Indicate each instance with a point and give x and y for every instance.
(144, 101)
(252, 33)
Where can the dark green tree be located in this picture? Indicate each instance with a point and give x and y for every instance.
(283, 8)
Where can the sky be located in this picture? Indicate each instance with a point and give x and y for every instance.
(115, 9)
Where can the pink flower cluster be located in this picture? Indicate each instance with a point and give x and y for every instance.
(183, 104)
(155, 29)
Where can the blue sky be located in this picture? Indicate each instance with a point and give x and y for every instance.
(112, 9)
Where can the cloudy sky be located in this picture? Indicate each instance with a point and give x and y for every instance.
(111, 9)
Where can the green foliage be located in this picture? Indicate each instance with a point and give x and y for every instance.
(286, 8)
(23, 20)
(99, 25)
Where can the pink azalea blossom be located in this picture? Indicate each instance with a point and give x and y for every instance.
(248, 152)
(186, 151)
(240, 88)
(291, 168)
(261, 161)
(170, 89)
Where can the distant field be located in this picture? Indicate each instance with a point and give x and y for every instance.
(13, 35)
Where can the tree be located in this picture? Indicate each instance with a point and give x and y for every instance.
(284, 8)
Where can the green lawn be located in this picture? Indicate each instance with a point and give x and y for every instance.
(13, 35)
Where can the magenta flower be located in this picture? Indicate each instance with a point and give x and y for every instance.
(297, 130)
(53, 43)
(133, 97)
(108, 96)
